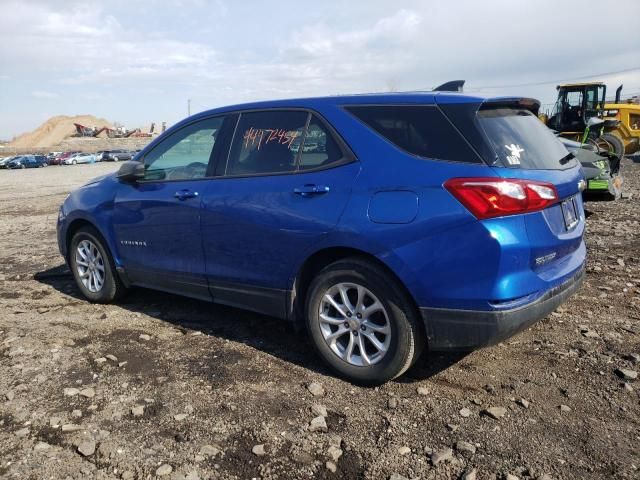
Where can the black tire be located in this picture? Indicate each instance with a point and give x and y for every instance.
(112, 288)
(617, 146)
(407, 339)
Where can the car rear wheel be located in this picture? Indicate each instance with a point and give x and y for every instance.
(93, 268)
(362, 322)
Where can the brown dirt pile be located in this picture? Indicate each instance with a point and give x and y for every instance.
(54, 130)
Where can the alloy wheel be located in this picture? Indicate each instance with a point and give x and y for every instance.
(355, 324)
(90, 266)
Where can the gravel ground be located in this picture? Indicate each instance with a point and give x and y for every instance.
(165, 386)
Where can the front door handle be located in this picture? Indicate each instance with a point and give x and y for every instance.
(184, 194)
(311, 189)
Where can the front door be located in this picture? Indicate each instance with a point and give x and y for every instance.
(285, 184)
(157, 220)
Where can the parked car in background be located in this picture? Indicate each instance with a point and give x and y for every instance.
(116, 155)
(602, 181)
(431, 220)
(61, 158)
(80, 158)
(4, 163)
(54, 159)
(51, 157)
(28, 161)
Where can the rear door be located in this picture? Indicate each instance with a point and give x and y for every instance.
(273, 201)
(157, 220)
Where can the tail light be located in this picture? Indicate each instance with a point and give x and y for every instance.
(496, 197)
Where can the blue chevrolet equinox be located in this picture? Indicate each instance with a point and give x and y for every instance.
(382, 223)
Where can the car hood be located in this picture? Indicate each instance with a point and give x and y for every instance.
(99, 179)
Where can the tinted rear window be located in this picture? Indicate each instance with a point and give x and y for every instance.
(420, 130)
(520, 140)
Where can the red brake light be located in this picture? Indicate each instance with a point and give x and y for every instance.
(495, 197)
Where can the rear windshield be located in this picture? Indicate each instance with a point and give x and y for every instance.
(420, 130)
(520, 140)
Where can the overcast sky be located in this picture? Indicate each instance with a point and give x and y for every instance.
(139, 61)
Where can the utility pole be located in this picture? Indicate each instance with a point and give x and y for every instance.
(188, 107)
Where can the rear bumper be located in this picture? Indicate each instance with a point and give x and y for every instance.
(449, 329)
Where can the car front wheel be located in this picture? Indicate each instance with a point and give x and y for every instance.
(93, 268)
(362, 322)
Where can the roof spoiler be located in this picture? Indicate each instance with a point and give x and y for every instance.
(530, 104)
(452, 86)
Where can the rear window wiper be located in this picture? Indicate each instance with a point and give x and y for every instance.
(567, 158)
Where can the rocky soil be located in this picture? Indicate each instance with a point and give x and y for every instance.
(167, 387)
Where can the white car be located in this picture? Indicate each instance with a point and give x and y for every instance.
(80, 158)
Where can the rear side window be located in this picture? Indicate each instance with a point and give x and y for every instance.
(520, 140)
(319, 148)
(419, 130)
(266, 142)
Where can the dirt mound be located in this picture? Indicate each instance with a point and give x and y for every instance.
(54, 130)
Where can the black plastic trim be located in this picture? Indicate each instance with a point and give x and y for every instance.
(181, 284)
(268, 301)
(449, 329)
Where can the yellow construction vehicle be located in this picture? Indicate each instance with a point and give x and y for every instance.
(580, 105)
(628, 114)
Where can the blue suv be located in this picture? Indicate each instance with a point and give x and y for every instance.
(382, 223)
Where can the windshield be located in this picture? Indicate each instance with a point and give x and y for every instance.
(520, 140)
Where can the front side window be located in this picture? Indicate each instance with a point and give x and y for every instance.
(266, 142)
(184, 154)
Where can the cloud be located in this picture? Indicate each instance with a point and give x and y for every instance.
(44, 94)
(84, 43)
(107, 56)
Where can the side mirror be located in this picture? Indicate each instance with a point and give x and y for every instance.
(131, 171)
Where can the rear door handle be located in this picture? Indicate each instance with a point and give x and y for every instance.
(311, 189)
(184, 194)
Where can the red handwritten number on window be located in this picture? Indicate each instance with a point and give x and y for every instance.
(256, 137)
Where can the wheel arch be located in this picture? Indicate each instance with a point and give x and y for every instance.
(78, 223)
(319, 260)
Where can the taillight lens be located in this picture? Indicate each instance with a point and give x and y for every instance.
(495, 197)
